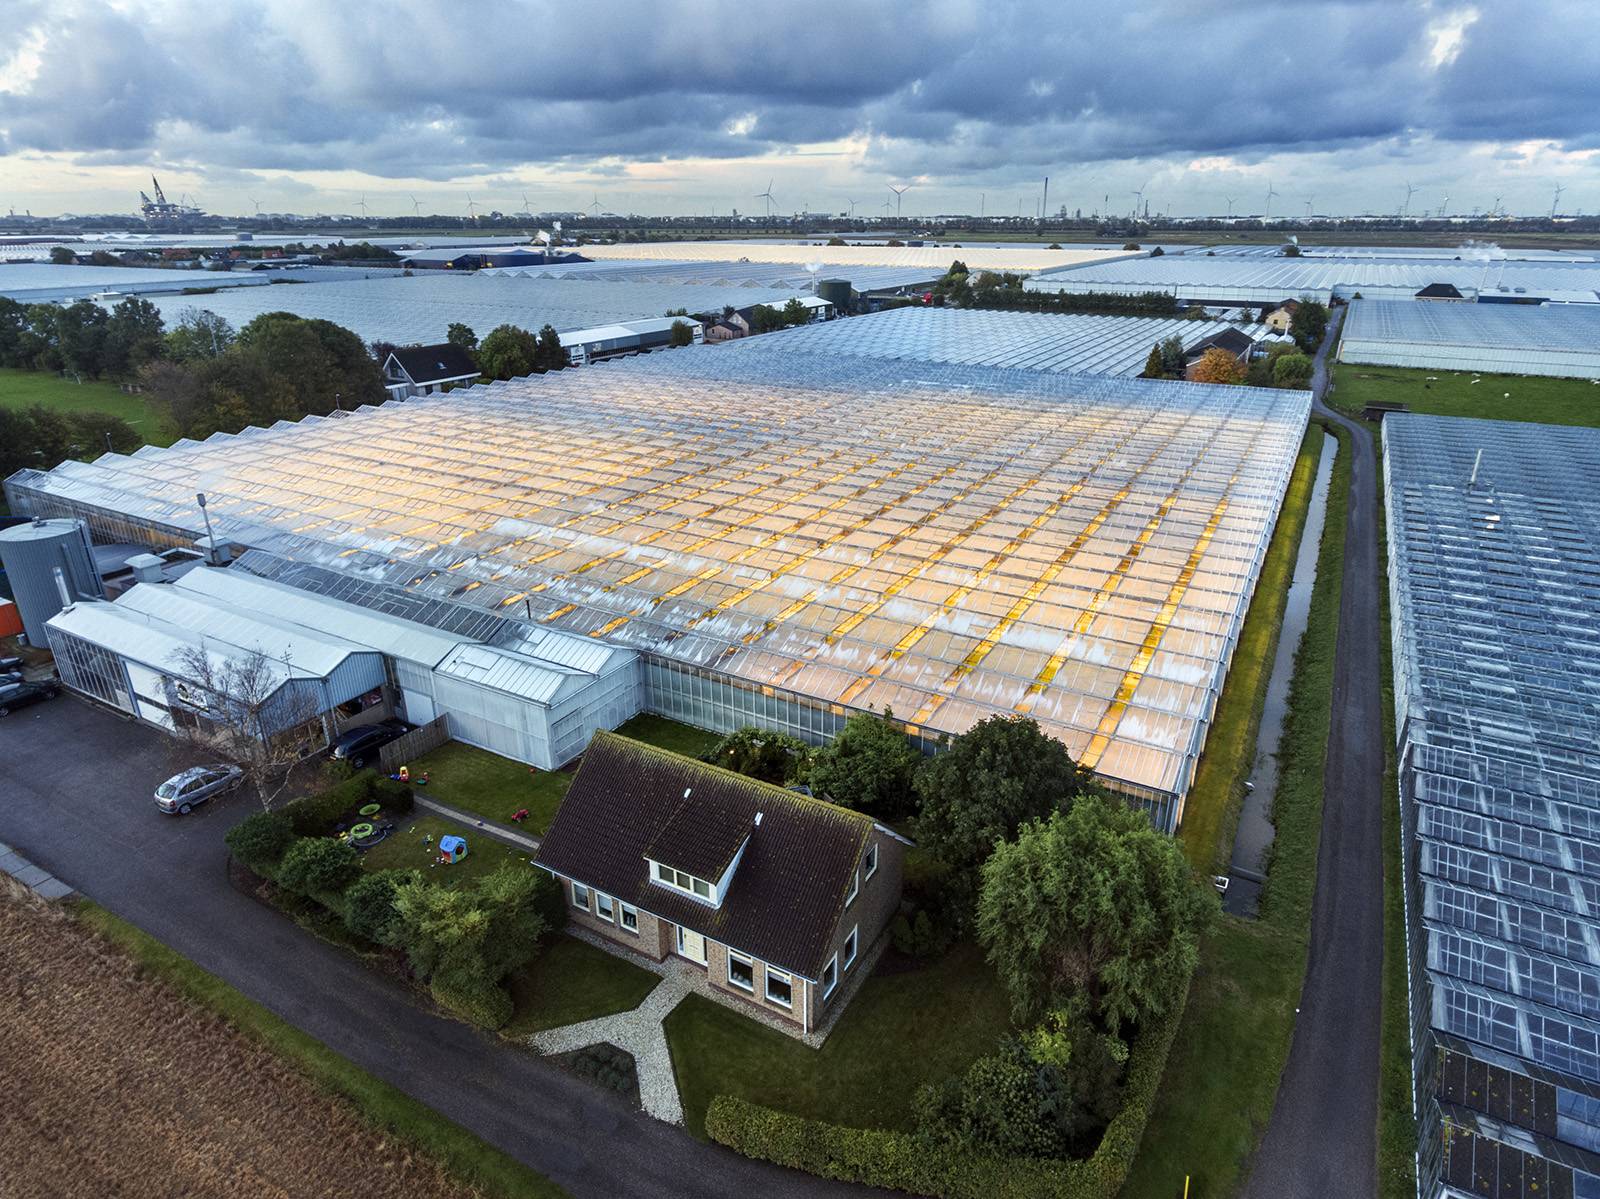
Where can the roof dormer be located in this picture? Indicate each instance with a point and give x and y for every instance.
(697, 851)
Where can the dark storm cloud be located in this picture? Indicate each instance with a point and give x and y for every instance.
(421, 89)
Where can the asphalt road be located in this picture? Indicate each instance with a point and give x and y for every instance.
(76, 798)
(1322, 1139)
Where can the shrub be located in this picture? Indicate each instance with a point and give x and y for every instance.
(261, 840)
(1291, 368)
(320, 867)
(369, 910)
(467, 939)
(489, 1007)
(395, 796)
(313, 814)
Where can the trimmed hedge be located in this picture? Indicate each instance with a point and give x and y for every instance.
(312, 814)
(901, 1161)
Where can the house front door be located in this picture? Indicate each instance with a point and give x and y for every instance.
(691, 945)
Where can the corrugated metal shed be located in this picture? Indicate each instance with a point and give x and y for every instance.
(1512, 339)
(137, 635)
(502, 670)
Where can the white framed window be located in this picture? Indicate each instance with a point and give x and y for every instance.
(630, 918)
(580, 896)
(604, 906)
(683, 881)
(855, 887)
(741, 971)
(872, 860)
(665, 874)
(850, 947)
(780, 987)
(830, 976)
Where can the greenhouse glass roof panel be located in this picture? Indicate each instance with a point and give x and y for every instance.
(954, 541)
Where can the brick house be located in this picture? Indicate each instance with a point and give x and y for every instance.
(776, 895)
(1281, 317)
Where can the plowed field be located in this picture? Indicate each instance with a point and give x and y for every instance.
(111, 1084)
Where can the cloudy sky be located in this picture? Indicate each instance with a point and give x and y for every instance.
(312, 106)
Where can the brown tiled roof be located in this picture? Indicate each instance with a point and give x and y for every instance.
(701, 838)
(784, 901)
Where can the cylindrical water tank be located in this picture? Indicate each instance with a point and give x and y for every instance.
(836, 292)
(50, 565)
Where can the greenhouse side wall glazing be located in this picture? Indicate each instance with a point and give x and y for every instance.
(1561, 340)
(1494, 576)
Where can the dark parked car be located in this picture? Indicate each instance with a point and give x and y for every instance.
(194, 786)
(360, 746)
(14, 695)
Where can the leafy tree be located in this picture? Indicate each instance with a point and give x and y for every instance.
(1092, 901)
(1001, 773)
(13, 328)
(1291, 251)
(80, 334)
(1216, 365)
(1157, 252)
(1308, 325)
(869, 766)
(764, 318)
(836, 241)
(508, 353)
(41, 343)
(324, 365)
(199, 333)
(134, 335)
(461, 335)
(369, 907)
(261, 840)
(995, 1108)
(763, 754)
(549, 353)
(796, 313)
(1154, 366)
(101, 431)
(957, 267)
(54, 437)
(681, 334)
(319, 866)
(1172, 357)
(17, 443)
(61, 256)
(1132, 245)
(1291, 369)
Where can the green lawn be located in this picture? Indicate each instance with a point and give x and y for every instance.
(572, 981)
(1211, 813)
(494, 1173)
(1222, 1077)
(406, 848)
(900, 1031)
(1443, 393)
(493, 787)
(669, 734)
(23, 389)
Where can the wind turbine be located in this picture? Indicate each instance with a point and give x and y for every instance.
(852, 208)
(898, 192)
(256, 202)
(1230, 200)
(1444, 208)
(1139, 201)
(1406, 211)
(527, 209)
(767, 196)
(1308, 208)
(1557, 200)
(416, 207)
(362, 204)
(472, 209)
(594, 207)
(1270, 194)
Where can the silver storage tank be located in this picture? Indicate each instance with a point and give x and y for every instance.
(50, 565)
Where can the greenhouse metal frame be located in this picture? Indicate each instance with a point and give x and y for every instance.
(1561, 340)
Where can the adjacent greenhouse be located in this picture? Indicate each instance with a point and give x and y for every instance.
(1494, 576)
(787, 538)
(1507, 339)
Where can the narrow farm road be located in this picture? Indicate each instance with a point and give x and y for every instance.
(1322, 1139)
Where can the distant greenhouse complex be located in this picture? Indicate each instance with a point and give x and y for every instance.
(1509, 339)
(786, 538)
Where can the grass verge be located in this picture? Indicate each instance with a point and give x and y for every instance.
(1532, 398)
(464, 1155)
(1211, 813)
(572, 981)
(490, 786)
(23, 389)
(1397, 1128)
(407, 848)
(900, 1031)
(682, 739)
(1222, 1076)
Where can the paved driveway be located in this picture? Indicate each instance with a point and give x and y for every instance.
(76, 798)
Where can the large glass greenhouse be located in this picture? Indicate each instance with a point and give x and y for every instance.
(1494, 574)
(787, 538)
(1508, 339)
